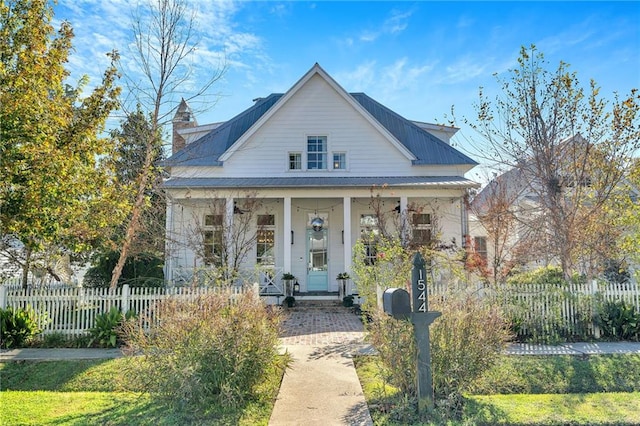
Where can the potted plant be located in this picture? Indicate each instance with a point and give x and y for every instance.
(288, 279)
(343, 276)
(347, 301)
(290, 301)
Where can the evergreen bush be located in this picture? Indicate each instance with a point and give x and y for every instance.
(17, 327)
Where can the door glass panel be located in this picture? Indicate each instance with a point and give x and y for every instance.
(318, 250)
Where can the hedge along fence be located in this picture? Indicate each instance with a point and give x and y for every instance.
(549, 313)
(72, 311)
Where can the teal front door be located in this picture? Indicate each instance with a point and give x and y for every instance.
(317, 279)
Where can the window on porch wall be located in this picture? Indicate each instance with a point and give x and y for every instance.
(369, 234)
(212, 239)
(421, 232)
(480, 246)
(265, 243)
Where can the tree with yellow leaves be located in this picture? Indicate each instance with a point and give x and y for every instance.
(57, 188)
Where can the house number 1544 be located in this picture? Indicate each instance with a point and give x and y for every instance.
(422, 294)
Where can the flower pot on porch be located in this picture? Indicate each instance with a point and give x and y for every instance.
(289, 301)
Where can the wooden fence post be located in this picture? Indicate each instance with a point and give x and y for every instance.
(3, 297)
(124, 302)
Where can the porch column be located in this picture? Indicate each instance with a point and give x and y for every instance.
(287, 235)
(228, 230)
(169, 238)
(348, 247)
(404, 224)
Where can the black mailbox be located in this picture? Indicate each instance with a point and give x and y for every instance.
(397, 303)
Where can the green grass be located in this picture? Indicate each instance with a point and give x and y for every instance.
(550, 390)
(98, 392)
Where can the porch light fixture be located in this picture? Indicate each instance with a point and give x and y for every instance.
(238, 210)
(292, 237)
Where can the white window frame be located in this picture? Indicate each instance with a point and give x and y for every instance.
(212, 239)
(261, 232)
(297, 161)
(343, 162)
(324, 154)
(421, 227)
(369, 234)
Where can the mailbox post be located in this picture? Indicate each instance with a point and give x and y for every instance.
(397, 303)
(422, 319)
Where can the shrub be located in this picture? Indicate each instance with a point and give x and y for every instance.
(395, 344)
(533, 302)
(466, 341)
(206, 352)
(18, 326)
(107, 327)
(618, 319)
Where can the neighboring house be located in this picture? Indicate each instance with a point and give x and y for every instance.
(508, 227)
(314, 157)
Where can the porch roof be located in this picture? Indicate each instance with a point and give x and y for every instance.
(323, 182)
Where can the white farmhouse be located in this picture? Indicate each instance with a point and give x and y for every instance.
(304, 165)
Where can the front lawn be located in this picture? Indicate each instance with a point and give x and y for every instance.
(525, 390)
(98, 392)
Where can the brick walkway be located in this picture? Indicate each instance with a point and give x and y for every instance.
(317, 327)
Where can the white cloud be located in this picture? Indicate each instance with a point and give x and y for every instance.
(396, 23)
(360, 79)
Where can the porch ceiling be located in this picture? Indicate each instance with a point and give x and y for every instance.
(322, 182)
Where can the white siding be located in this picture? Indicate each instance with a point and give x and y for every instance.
(316, 109)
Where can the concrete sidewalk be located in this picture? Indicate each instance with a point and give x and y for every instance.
(599, 348)
(36, 354)
(321, 386)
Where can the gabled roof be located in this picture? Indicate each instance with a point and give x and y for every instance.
(418, 145)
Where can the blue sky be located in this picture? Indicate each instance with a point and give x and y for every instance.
(418, 58)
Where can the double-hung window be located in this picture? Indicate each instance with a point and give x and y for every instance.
(480, 244)
(369, 234)
(212, 239)
(265, 243)
(421, 229)
(316, 152)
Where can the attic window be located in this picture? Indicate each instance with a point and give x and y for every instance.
(295, 161)
(316, 152)
(339, 161)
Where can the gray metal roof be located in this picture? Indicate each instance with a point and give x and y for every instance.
(427, 148)
(322, 182)
(207, 150)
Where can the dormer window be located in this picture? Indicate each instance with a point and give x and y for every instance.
(316, 152)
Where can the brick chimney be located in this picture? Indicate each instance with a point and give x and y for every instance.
(183, 119)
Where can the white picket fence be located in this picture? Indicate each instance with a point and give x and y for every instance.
(72, 311)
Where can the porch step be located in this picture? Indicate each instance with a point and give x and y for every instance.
(321, 303)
